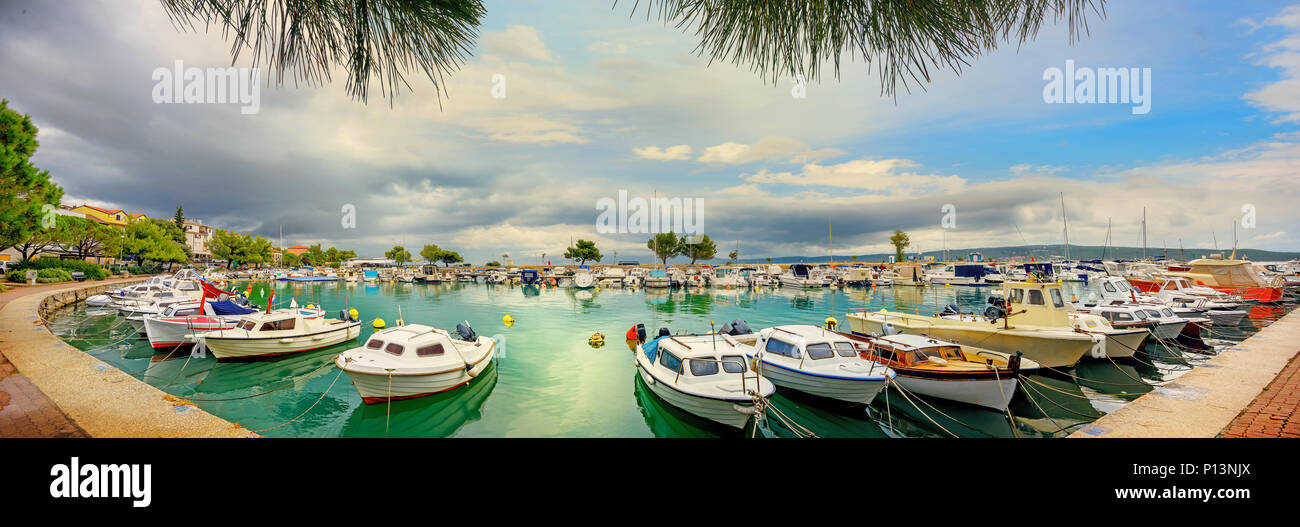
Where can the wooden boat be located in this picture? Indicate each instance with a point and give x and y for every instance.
(408, 361)
(947, 370)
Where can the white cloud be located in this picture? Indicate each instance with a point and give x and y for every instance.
(767, 148)
(1283, 96)
(881, 176)
(672, 153)
(516, 42)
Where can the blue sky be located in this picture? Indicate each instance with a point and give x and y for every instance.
(599, 101)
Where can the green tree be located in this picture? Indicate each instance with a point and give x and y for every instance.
(900, 240)
(179, 218)
(584, 251)
(226, 245)
(332, 255)
(149, 242)
(733, 256)
(84, 237)
(25, 191)
(431, 253)
(698, 247)
(450, 257)
(493, 263)
(399, 254)
(665, 245)
(289, 260)
(314, 255)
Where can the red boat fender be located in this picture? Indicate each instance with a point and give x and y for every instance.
(631, 333)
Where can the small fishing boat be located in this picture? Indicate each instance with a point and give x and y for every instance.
(1031, 317)
(908, 274)
(816, 361)
(413, 360)
(706, 375)
(176, 326)
(947, 370)
(279, 332)
(1231, 276)
(658, 278)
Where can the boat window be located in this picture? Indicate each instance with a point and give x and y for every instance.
(1167, 312)
(846, 349)
(1109, 288)
(246, 325)
(186, 312)
(733, 364)
(394, 348)
(920, 356)
(782, 348)
(704, 366)
(670, 361)
(1057, 301)
(1154, 313)
(820, 350)
(1140, 314)
(1017, 296)
(1123, 317)
(278, 325)
(429, 351)
(886, 353)
(1036, 297)
(375, 344)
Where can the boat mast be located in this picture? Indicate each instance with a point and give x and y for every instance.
(1065, 221)
(830, 240)
(1144, 233)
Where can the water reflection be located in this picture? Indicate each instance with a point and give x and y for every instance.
(438, 415)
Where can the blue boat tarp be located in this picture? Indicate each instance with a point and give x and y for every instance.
(651, 349)
(1044, 269)
(226, 307)
(975, 271)
(371, 274)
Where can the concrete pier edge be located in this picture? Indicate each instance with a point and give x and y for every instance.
(1204, 401)
(101, 399)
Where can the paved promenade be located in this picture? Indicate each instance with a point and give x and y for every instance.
(1249, 390)
(55, 390)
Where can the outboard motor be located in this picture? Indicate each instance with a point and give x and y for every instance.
(663, 332)
(951, 309)
(740, 327)
(465, 332)
(888, 329)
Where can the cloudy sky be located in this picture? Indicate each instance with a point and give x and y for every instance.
(598, 101)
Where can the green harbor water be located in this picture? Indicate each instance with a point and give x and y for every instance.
(550, 382)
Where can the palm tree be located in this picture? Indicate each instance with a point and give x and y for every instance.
(304, 39)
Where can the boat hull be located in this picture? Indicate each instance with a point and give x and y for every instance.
(1047, 352)
(167, 334)
(225, 348)
(378, 389)
(988, 393)
(861, 391)
(733, 414)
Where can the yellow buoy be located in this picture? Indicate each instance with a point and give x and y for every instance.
(311, 306)
(831, 322)
(947, 286)
(508, 320)
(379, 323)
(597, 340)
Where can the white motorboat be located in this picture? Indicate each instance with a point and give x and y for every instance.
(800, 276)
(658, 278)
(583, 278)
(612, 276)
(279, 332)
(705, 375)
(408, 361)
(728, 278)
(816, 361)
(962, 274)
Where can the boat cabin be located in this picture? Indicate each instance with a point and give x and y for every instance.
(415, 343)
(700, 358)
(1042, 303)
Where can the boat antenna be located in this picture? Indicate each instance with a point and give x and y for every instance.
(1065, 222)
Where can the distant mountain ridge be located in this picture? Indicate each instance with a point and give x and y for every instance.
(1077, 252)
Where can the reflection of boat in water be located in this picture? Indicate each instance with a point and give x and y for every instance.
(438, 415)
(823, 417)
(230, 377)
(666, 420)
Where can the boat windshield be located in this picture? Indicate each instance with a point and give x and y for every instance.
(733, 364)
(821, 350)
(702, 366)
(246, 325)
(782, 348)
(846, 349)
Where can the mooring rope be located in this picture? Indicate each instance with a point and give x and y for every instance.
(309, 408)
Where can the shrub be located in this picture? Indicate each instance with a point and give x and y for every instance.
(92, 270)
(43, 276)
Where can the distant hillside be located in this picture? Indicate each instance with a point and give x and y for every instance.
(1077, 252)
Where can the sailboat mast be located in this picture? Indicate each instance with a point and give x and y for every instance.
(1065, 221)
(830, 240)
(1144, 233)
